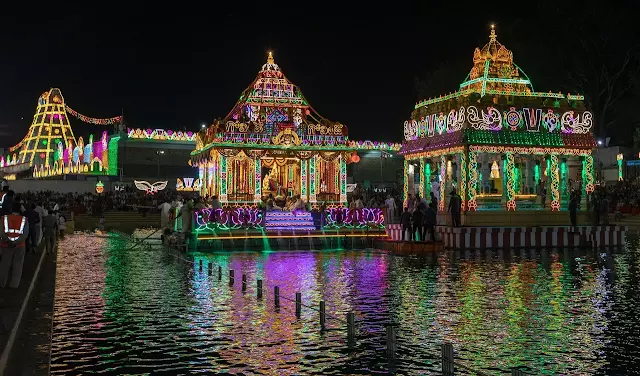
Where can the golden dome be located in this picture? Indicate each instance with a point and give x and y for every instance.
(493, 51)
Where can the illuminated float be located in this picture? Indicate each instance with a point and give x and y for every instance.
(498, 142)
(274, 146)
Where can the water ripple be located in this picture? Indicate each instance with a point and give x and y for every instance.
(131, 311)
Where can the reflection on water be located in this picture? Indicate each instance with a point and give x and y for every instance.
(133, 311)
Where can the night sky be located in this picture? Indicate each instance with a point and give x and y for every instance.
(176, 69)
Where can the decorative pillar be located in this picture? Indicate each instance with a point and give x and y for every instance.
(472, 190)
(303, 179)
(590, 179)
(510, 177)
(202, 174)
(463, 179)
(427, 178)
(405, 183)
(564, 188)
(336, 176)
(555, 183)
(536, 177)
(224, 175)
(343, 179)
(313, 198)
(443, 176)
(422, 189)
(258, 180)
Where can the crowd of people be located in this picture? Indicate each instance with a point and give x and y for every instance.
(27, 220)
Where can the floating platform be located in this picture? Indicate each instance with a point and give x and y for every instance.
(255, 239)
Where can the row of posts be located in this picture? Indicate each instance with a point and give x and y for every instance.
(448, 362)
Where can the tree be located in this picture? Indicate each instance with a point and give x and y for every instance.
(604, 64)
(444, 79)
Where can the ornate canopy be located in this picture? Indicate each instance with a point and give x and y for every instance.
(272, 114)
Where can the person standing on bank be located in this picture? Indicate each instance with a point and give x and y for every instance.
(49, 231)
(455, 207)
(405, 219)
(430, 220)
(573, 210)
(14, 230)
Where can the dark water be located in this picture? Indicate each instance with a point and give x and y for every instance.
(123, 311)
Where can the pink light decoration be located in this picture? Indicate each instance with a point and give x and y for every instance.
(345, 217)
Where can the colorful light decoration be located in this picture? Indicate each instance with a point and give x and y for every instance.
(463, 181)
(149, 188)
(90, 120)
(543, 127)
(343, 180)
(405, 183)
(257, 197)
(188, 184)
(443, 174)
(365, 218)
(620, 160)
(589, 174)
(510, 182)
(494, 119)
(161, 135)
(423, 187)
(555, 183)
(229, 218)
(473, 182)
(99, 187)
(498, 149)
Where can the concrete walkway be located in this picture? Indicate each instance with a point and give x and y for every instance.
(29, 354)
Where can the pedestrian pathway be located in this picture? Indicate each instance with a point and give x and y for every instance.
(11, 301)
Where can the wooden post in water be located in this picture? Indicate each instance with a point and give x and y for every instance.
(276, 297)
(231, 277)
(200, 264)
(219, 273)
(244, 282)
(391, 341)
(259, 288)
(323, 315)
(448, 368)
(298, 304)
(351, 329)
(210, 269)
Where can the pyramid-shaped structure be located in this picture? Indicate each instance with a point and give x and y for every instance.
(49, 133)
(272, 103)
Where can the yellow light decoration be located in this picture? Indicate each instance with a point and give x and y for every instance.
(510, 174)
(473, 181)
(589, 174)
(435, 153)
(443, 171)
(463, 180)
(555, 183)
(497, 149)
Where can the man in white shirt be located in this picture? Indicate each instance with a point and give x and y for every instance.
(165, 207)
(391, 209)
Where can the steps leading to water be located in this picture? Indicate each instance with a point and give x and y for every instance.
(302, 221)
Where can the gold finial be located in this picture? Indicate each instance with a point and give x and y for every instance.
(493, 36)
(270, 58)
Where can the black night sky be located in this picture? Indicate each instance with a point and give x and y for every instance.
(173, 68)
